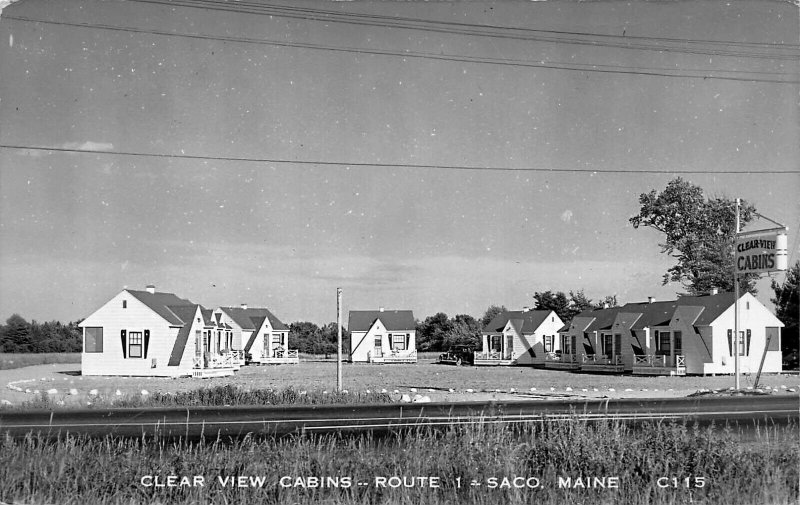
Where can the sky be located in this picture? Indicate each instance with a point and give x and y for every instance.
(431, 156)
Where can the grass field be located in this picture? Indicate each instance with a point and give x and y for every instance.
(439, 382)
(19, 360)
(658, 464)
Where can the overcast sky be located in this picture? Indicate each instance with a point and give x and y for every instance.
(269, 157)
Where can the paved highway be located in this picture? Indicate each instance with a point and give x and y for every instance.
(224, 422)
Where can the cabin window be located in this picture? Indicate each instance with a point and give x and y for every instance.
(93, 341)
(678, 336)
(124, 304)
(198, 343)
(548, 343)
(774, 339)
(135, 343)
(566, 347)
(496, 344)
(399, 342)
(662, 342)
(607, 344)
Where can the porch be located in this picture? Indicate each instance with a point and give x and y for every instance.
(393, 357)
(493, 358)
(659, 364)
(217, 364)
(278, 357)
(559, 361)
(602, 363)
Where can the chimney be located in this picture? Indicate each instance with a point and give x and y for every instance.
(605, 305)
(382, 309)
(526, 309)
(151, 289)
(244, 306)
(650, 299)
(714, 291)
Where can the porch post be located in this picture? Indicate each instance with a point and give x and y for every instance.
(736, 311)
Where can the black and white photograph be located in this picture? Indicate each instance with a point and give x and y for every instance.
(399, 252)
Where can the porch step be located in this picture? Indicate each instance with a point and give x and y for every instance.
(204, 373)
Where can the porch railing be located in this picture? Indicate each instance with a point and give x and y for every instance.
(214, 360)
(492, 355)
(602, 359)
(659, 360)
(281, 353)
(561, 358)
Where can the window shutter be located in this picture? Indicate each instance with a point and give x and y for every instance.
(124, 337)
(730, 342)
(146, 342)
(747, 349)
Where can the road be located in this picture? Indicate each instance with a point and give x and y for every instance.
(233, 422)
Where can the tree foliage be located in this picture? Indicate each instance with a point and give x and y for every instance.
(309, 338)
(786, 306)
(18, 335)
(698, 232)
(491, 313)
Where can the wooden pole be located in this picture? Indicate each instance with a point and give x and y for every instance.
(339, 339)
(736, 310)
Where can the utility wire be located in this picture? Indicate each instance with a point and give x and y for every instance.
(660, 44)
(385, 165)
(607, 69)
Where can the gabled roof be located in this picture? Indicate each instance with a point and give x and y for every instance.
(208, 317)
(257, 323)
(161, 304)
(244, 317)
(393, 320)
(531, 320)
(661, 313)
(186, 313)
(603, 319)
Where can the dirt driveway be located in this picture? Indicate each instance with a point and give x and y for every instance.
(438, 382)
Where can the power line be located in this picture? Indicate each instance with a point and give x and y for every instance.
(606, 69)
(284, 161)
(661, 44)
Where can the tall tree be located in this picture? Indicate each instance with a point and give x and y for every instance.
(698, 232)
(491, 313)
(465, 331)
(15, 336)
(557, 302)
(431, 333)
(786, 307)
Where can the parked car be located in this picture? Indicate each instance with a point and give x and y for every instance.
(457, 355)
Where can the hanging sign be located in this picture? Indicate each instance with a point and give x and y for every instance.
(761, 252)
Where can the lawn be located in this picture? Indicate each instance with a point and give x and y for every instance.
(18, 360)
(439, 382)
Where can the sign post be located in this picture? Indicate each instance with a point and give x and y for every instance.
(339, 339)
(755, 252)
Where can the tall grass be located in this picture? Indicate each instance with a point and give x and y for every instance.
(81, 470)
(218, 396)
(19, 360)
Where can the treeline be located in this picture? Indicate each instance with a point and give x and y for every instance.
(309, 338)
(19, 335)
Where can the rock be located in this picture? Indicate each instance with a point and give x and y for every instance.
(470, 391)
(118, 392)
(422, 399)
(568, 389)
(52, 391)
(384, 391)
(533, 389)
(93, 392)
(611, 389)
(73, 392)
(451, 390)
(405, 399)
(628, 390)
(6, 402)
(145, 392)
(413, 390)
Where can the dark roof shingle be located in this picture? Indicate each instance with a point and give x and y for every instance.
(393, 320)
